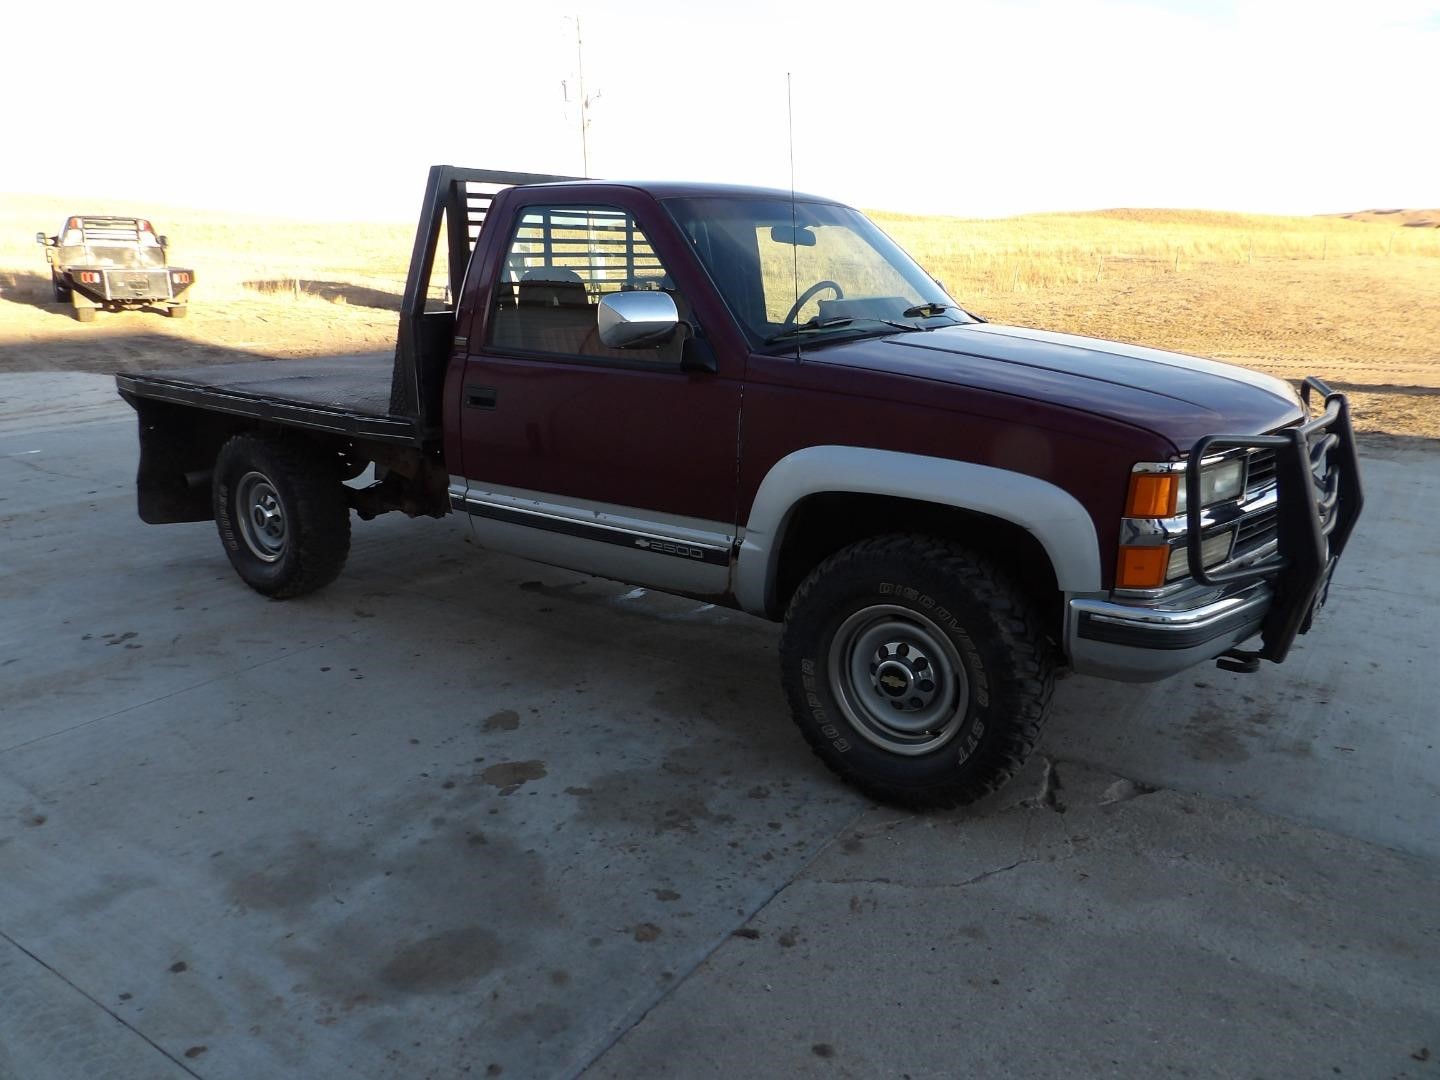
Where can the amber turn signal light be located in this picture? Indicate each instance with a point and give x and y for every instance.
(1142, 567)
(1152, 495)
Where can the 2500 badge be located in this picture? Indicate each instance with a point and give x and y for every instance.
(671, 547)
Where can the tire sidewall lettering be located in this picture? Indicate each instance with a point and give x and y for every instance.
(946, 619)
(816, 704)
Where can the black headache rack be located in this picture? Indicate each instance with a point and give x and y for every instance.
(456, 201)
(356, 396)
(1318, 495)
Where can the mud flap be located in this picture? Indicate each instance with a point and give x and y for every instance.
(177, 451)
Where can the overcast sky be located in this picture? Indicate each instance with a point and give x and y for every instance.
(336, 109)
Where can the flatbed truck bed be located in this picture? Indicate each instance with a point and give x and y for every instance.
(342, 395)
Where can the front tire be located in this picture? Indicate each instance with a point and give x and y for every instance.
(916, 670)
(282, 515)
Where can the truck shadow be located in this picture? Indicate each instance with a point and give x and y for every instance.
(336, 292)
(103, 353)
(1386, 388)
(38, 291)
(33, 290)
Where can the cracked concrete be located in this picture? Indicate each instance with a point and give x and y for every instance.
(1124, 790)
(463, 813)
(1048, 795)
(1130, 937)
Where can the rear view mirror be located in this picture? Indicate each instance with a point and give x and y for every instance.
(41, 238)
(636, 320)
(164, 241)
(794, 235)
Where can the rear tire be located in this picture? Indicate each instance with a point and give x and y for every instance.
(177, 311)
(916, 670)
(282, 515)
(84, 313)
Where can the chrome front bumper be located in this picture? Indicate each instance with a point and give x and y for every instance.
(1144, 642)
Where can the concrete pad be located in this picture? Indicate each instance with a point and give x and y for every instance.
(459, 811)
(48, 1028)
(1096, 929)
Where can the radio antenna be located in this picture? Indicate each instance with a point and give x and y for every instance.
(584, 102)
(794, 217)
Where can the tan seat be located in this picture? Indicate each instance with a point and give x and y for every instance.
(554, 312)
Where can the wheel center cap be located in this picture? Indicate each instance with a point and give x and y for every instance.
(894, 678)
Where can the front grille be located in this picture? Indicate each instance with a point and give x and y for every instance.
(1260, 472)
(1262, 527)
(1256, 530)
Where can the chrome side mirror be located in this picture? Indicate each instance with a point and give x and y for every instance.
(636, 320)
(41, 238)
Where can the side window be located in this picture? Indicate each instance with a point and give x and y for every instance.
(562, 260)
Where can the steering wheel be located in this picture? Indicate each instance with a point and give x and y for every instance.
(808, 295)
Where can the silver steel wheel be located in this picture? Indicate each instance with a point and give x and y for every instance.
(261, 516)
(898, 679)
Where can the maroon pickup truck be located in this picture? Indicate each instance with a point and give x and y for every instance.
(756, 398)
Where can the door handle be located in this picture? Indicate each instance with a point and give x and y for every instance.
(480, 397)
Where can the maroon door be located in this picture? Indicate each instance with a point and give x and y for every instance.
(548, 410)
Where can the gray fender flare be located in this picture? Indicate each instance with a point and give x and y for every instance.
(1049, 513)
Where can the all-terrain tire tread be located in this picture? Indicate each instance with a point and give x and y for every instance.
(1027, 650)
(321, 535)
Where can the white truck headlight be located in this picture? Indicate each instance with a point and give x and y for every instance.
(1214, 550)
(1219, 482)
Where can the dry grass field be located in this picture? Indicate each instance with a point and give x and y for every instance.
(1352, 298)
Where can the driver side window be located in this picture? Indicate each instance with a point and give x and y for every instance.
(562, 261)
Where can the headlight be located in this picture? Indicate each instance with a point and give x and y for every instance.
(1153, 551)
(1218, 482)
(1213, 551)
(1158, 490)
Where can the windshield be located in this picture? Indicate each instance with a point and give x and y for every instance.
(810, 271)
